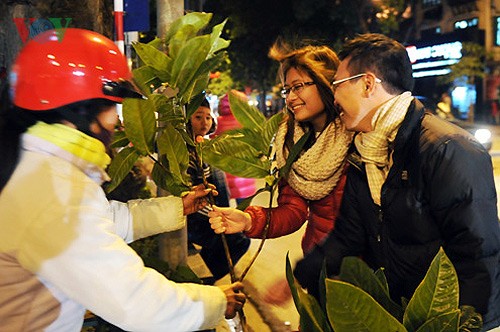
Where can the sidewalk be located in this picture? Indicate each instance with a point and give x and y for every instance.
(266, 270)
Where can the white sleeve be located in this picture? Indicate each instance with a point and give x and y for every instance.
(144, 217)
(91, 265)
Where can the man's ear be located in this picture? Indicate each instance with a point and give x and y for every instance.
(370, 82)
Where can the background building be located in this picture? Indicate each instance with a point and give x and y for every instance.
(440, 27)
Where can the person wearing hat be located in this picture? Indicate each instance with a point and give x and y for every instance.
(201, 124)
(62, 243)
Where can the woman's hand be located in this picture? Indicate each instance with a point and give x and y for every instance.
(229, 220)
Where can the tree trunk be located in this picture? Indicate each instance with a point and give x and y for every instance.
(172, 245)
(167, 11)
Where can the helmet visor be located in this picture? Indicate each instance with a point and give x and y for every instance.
(121, 89)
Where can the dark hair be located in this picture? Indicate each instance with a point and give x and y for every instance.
(205, 103)
(383, 56)
(14, 121)
(318, 62)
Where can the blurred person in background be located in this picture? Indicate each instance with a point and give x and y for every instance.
(239, 188)
(201, 124)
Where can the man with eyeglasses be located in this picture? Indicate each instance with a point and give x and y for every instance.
(416, 183)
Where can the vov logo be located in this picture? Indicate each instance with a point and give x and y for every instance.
(29, 27)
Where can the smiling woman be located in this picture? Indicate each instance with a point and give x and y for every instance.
(312, 189)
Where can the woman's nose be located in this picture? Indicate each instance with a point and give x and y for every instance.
(291, 96)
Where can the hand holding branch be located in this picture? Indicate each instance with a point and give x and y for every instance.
(196, 199)
(229, 220)
(235, 298)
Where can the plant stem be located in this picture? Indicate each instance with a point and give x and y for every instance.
(264, 235)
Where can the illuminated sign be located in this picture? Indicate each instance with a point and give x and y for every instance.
(444, 51)
(464, 24)
(434, 60)
(497, 31)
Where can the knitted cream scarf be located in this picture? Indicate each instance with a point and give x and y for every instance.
(73, 141)
(316, 172)
(373, 146)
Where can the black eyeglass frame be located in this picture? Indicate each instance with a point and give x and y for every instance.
(296, 88)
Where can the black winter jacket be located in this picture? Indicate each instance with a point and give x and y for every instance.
(439, 191)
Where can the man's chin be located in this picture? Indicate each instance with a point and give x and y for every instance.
(348, 124)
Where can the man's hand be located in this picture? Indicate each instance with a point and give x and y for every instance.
(196, 199)
(229, 220)
(235, 298)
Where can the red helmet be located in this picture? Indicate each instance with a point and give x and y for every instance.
(61, 67)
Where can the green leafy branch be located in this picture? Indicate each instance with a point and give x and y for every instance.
(358, 300)
(173, 75)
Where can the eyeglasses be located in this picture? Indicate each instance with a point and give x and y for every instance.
(335, 84)
(296, 88)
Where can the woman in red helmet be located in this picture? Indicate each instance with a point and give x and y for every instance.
(62, 247)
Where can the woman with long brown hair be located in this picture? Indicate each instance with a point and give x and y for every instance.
(312, 190)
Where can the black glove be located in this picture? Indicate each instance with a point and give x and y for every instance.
(308, 270)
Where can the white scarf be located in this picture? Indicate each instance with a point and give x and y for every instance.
(373, 146)
(316, 172)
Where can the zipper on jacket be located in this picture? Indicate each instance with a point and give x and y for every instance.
(379, 225)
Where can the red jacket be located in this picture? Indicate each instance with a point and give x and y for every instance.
(293, 211)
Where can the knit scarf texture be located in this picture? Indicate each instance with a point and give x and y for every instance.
(72, 141)
(374, 146)
(316, 172)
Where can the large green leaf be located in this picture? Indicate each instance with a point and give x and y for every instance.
(168, 181)
(349, 308)
(155, 59)
(353, 270)
(140, 124)
(171, 145)
(248, 116)
(166, 107)
(244, 203)
(312, 318)
(120, 139)
(271, 127)
(323, 275)
(180, 38)
(294, 153)
(235, 157)
(120, 166)
(145, 78)
(188, 25)
(447, 322)
(437, 293)
(383, 279)
(196, 87)
(215, 40)
(249, 136)
(186, 64)
(199, 80)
